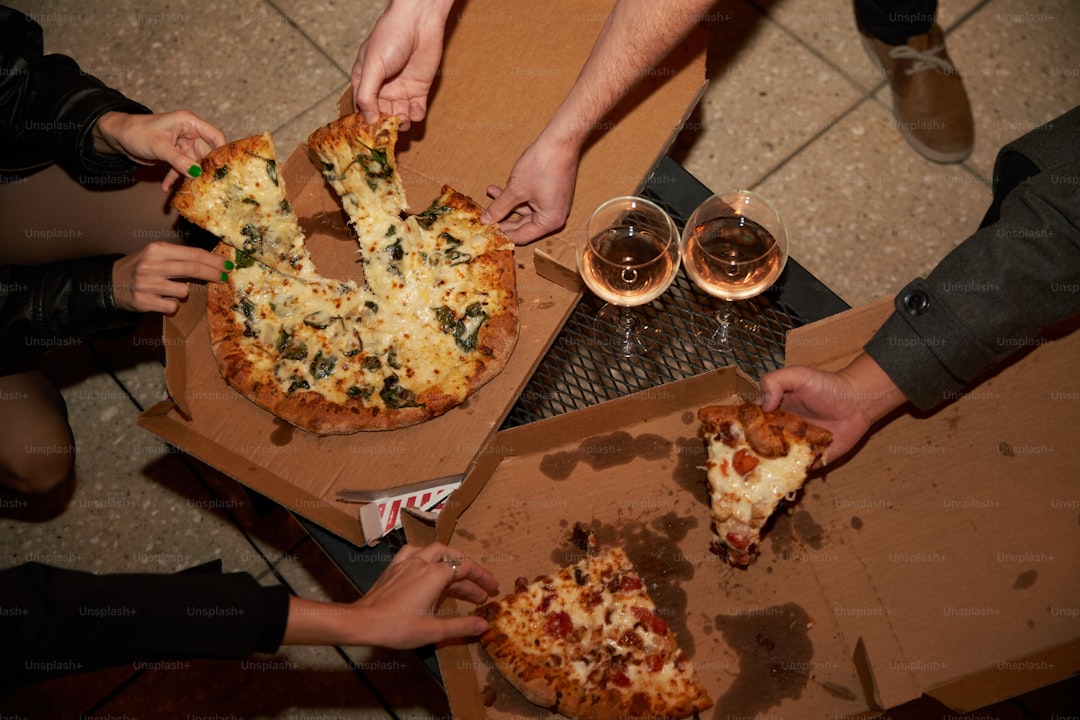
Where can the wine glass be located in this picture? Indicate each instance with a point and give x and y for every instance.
(628, 255)
(734, 246)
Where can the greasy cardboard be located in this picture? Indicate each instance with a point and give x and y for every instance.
(941, 557)
(504, 71)
(966, 528)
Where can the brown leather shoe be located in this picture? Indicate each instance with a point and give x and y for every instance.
(931, 107)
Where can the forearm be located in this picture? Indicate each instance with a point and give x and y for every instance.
(323, 623)
(637, 35)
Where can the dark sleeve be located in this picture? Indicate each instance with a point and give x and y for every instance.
(57, 622)
(48, 105)
(45, 306)
(1001, 289)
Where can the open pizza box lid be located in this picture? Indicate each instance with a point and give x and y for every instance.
(940, 558)
(504, 71)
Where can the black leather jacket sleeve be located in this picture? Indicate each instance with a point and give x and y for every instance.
(48, 106)
(56, 304)
(57, 621)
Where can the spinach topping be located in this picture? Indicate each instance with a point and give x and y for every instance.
(395, 396)
(396, 254)
(221, 172)
(466, 329)
(322, 366)
(254, 236)
(271, 170)
(298, 384)
(371, 363)
(454, 256)
(360, 392)
(243, 259)
(291, 348)
(376, 166)
(429, 216)
(372, 306)
(392, 359)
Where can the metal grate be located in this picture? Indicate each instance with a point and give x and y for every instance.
(580, 370)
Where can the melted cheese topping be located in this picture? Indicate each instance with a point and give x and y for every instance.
(414, 325)
(610, 638)
(751, 498)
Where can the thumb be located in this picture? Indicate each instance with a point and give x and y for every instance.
(775, 384)
(502, 204)
(465, 626)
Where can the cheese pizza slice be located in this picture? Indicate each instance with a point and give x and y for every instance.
(756, 460)
(240, 197)
(588, 642)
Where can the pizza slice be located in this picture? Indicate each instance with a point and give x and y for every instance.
(240, 197)
(358, 161)
(587, 642)
(756, 459)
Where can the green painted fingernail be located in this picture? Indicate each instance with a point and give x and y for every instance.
(194, 171)
(224, 277)
(229, 265)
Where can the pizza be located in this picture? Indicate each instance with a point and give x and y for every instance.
(756, 459)
(433, 319)
(587, 642)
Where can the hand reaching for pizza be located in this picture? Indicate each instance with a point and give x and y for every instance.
(396, 64)
(155, 278)
(846, 402)
(179, 139)
(400, 609)
(540, 190)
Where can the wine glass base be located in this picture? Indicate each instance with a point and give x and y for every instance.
(624, 332)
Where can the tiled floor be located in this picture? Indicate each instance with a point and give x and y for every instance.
(794, 108)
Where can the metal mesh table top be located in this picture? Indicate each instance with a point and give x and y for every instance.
(580, 369)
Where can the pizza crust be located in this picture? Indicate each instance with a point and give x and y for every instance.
(437, 312)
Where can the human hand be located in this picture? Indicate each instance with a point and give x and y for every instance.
(396, 64)
(846, 402)
(540, 190)
(400, 609)
(153, 279)
(180, 139)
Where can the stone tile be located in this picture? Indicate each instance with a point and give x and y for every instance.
(830, 29)
(1022, 69)
(768, 96)
(240, 65)
(864, 214)
(322, 23)
(297, 683)
(295, 130)
(135, 506)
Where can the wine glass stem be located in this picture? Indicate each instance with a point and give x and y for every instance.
(727, 314)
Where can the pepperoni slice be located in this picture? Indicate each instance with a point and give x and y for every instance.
(743, 462)
(558, 624)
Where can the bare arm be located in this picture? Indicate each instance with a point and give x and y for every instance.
(401, 609)
(637, 35)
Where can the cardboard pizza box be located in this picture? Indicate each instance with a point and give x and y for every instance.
(941, 557)
(504, 71)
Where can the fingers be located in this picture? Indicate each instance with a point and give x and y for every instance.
(367, 80)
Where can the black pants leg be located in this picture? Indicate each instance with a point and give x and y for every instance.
(894, 21)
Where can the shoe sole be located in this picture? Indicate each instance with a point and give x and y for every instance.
(927, 152)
